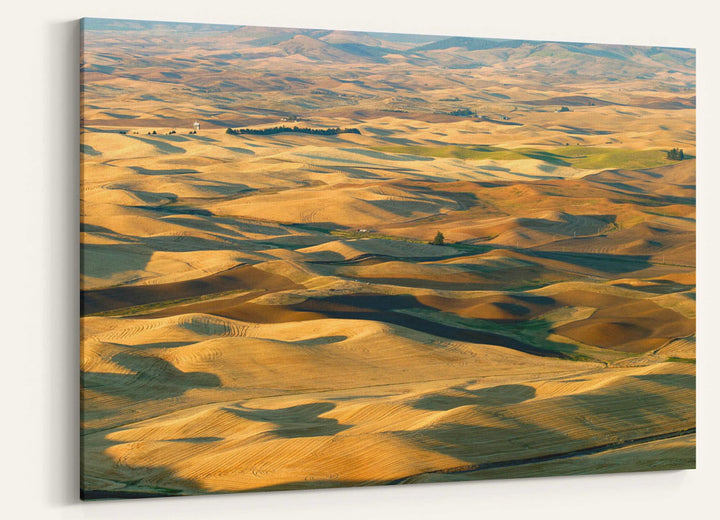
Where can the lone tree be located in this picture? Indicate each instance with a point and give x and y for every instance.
(676, 154)
(439, 239)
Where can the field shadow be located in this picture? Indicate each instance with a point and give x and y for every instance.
(177, 217)
(606, 263)
(129, 481)
(235, 149)
(94, 259)
(161, 146)
(196, 440)
(316, 342)
(92, 228)
(176, 171)
(464, 199)
(673, 380)
(154, 378)
(658, 287)
(240, 278)
(632, 408)
(405, 208)
(358, 173)
(176, 209)
(480, 445)
(574, 130)
(89, 150)
(501, 395)
(161, 344)
(202, 138)
(106, 260)
(546, 157)
(388, 157)
(569, 224)
(295, 421)
(612, 418)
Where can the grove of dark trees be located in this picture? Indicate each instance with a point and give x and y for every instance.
(676, 154)
(439, 239)
(296, 129)
(463, 112)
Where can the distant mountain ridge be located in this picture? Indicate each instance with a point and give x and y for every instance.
(471, 44)
(463, 52)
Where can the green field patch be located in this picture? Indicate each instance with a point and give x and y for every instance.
(452, 151)
(595, 158)
(582, 157)
(681, 360)
(359, 234)
(536, 332)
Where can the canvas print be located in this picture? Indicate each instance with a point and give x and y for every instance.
(316, 258)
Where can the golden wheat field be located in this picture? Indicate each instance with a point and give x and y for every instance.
(315, 258)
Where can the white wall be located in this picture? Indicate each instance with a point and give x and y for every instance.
(39, 205)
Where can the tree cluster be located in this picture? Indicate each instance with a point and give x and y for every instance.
(676, 154)
(296, 129)
(465, 112)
